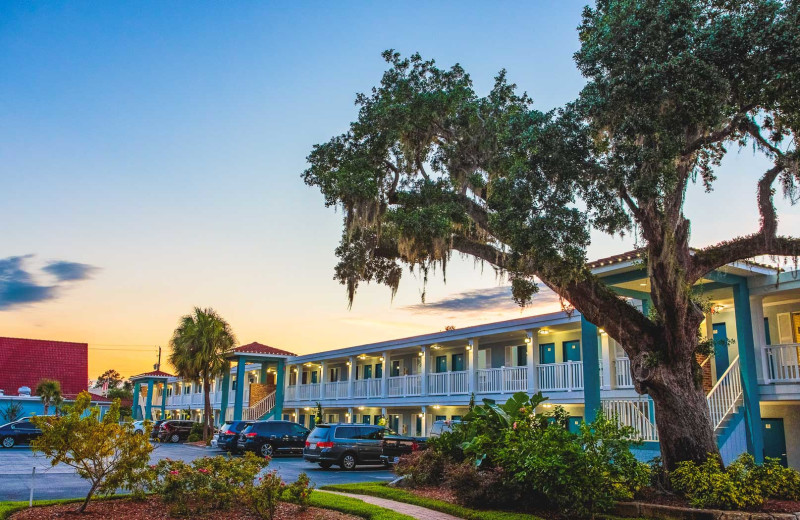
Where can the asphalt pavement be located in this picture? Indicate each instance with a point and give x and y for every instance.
(16, 468)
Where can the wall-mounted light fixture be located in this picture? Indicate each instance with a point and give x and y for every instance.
(544, 331)
(348, 363)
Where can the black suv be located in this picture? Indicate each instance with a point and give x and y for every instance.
(268, 438)
(174, 431)
(18, 432)
(345, 444)
(229, 435)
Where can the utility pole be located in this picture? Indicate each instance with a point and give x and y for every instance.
(157, 366)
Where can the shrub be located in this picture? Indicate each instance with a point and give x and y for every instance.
(197, 429)
(742, 485)
(423, 468)
(299, 492)
(478, 488)
(103, 451)
(264, 497)
(193, 437)
(208, 483)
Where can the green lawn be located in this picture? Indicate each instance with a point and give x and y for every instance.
(6, 508)
(381, 490)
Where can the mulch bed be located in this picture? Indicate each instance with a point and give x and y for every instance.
(154, 508)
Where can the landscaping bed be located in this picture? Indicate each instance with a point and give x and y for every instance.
(155, 508)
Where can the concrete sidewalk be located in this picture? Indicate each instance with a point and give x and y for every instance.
(418, 512)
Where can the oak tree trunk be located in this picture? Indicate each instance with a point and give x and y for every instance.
(682, 416)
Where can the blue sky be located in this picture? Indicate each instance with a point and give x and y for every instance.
(160, 145)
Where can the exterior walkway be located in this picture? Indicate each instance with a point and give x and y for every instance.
(421, 513)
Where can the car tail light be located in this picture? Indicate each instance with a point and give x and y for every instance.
(251, 434)
(325, 444)
(414, 446)
(165, 427)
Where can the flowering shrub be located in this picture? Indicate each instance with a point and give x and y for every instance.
(263, 498)
(208, 483)
(299, 492)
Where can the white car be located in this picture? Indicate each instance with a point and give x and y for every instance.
(138, 427)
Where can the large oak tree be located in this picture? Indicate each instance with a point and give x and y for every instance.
(430, 167)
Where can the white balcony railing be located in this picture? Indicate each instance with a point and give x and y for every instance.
(622, 367)
(367, 388)
(291, 393)
(448, 383)
(337, 390)
(502, 380)
(635, 413)
(404, 386)
(782, 362)
(566, 376)
(308, 392)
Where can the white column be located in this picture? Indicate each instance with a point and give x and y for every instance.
(424, 371)
(385, 374)
(350, 418)
(532, 342)
(605, 360)
(472, 354)
(424, 421)
(322, 373)
(299, 369)
(759, 337)
(351, 377)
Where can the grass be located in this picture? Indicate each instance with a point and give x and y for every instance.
(381, 490)
(355, 507)
(347, 505)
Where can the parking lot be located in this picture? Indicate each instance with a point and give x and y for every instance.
(16, 466)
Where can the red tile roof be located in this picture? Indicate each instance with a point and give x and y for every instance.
(258, 348)
(154, 373)
(25, 362)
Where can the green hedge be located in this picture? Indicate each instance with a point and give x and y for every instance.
(381, 490)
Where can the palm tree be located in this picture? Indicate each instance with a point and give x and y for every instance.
(49, 391)
(199, 345)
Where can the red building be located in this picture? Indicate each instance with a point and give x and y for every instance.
(25, 362)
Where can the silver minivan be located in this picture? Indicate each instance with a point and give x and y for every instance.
(345, 444)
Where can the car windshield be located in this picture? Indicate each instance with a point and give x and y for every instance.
(319, 433)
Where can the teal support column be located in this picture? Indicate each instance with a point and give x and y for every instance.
(280, 389)
(164, 400)
(591, 370)
(238, 401)
(226, 386)
(148, 409)
(646, 306)
(262, 375)
(747, 366)
(136, 390)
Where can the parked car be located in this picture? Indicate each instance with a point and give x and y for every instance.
(269, 438)
(138, 427)
(19, 432)
(395, 446)
(439, 427)
(174, 430)
(229, 435)
(156, 430)
(345, 444)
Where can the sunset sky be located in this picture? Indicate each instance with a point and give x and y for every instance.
(151, 152)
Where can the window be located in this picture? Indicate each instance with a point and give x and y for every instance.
(345, 432)
(373, 434)
(455, 417)
(334, 375)
(365, 419)
(483, 359)
(233, 384)
(187, 389)
(441, 418)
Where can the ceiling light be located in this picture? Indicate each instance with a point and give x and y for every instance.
(527, 340)
(544, 331)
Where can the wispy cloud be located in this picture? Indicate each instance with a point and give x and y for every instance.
(69, 271)
(19, 287)
(482, 300)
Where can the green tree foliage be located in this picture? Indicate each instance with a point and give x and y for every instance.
(122, 393)
(110, 376)
(11, 412)
(49, 391)
(199, 345)
(430, 167)
(101, 450)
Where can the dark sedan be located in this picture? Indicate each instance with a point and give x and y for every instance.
(19, 432)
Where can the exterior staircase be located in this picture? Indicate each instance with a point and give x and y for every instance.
(260, 408)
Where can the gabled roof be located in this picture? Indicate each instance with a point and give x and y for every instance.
(258, 348)
(25, 362)
(153, 374)
(636, 254)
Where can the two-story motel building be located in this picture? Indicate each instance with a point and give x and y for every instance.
(752, 381)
